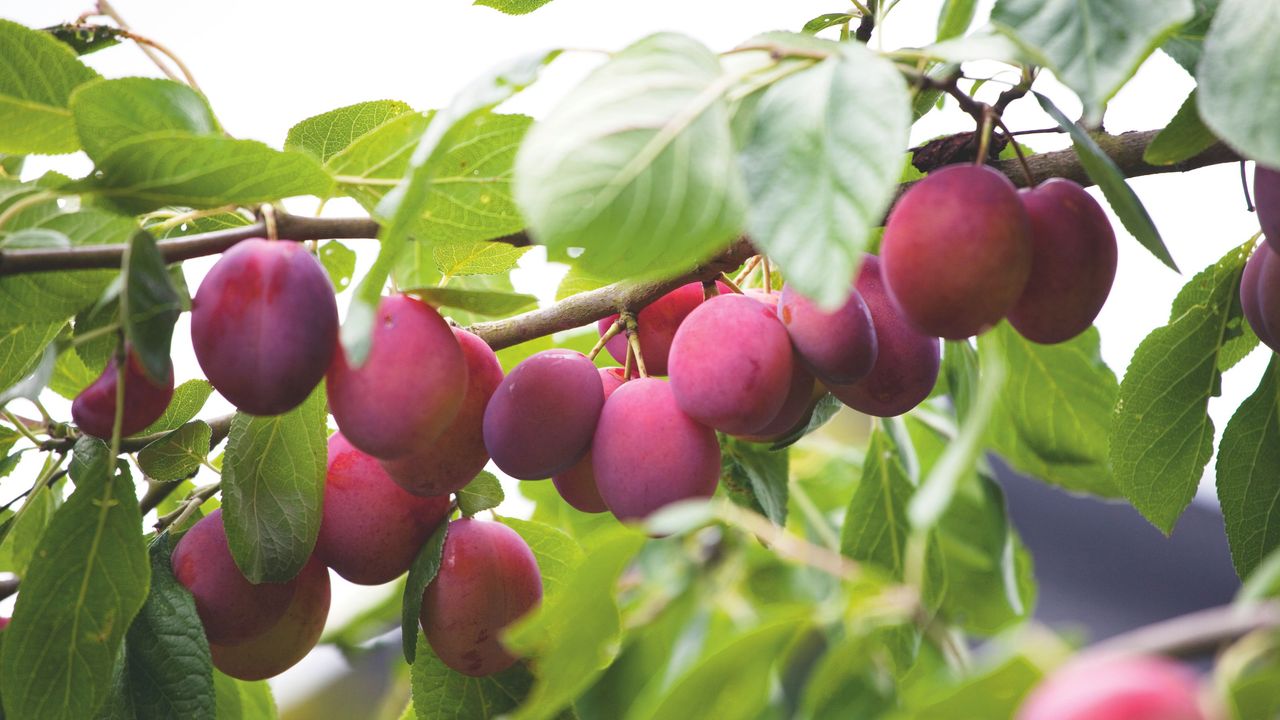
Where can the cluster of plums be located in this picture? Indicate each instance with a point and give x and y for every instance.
(1260, 284)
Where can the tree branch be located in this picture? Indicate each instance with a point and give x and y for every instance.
(1197, 633)
(218, 426)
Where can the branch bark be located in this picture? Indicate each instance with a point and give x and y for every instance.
(1197, 633)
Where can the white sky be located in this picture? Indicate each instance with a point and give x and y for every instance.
(266, 65)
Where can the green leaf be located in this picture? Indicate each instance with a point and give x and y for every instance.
(87, 580)
(272, 487)
(170, 670)
(1239, 66)
(477, 258)
(636, 165)
(70, 374)
(188, 399)
(36, 81)
(240, 700)
(1093, 46)
(994, 692)
(757, 473)
(22, 347)
(401, 211)
(339, 262)
(56, 296)
(821, 166)
(824, 410)
(28, 528)
(730, 684)
(1161, 434)
(822, 22)
(1263, 582)
(876, 528)
(488, 303)
(175, 168)
(110, 112)
(1053, 418)
(34, 383)
(328, 134)
(1103, 171)
(1249, 475)
(421, 573)
(440, 693)
(1184, 137)
(955, 18)
(149, 305)
(575, 634)
(484, 492)
(177, 455)
(513, 7)
(1248, 676)
(558, 555)
(1187, 43)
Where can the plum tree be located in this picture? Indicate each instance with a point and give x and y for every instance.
(449, 462)
(647, 453)
(577, 485)
(415, 366)
(907, 361)
(957, 251)
(371, 528)
(1260, 294)
(735, 386)
(837, 347)
(282, 645)
(1266, 198)
(145, 400)
(656, 325)
(540, 419)
(1119, 688)
(1073, 262)
(231, 608)
(264, 324)
(488, 579)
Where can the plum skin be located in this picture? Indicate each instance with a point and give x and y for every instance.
(1266, 200)
(648, 453)
(264, 324)
(488, 579)
(1260, 294)
(449, 462)
(735, 387)
(231, 608)
(145, 400)
(837, 346)
(907, 361)
(540, 420)
(1073, 262)
(289, 640)
(957, 251)
(371, 529)
(1115, 688)
(415, 366)
(577, 485)
(656, 325)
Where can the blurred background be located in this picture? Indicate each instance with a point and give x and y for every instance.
(267, 65)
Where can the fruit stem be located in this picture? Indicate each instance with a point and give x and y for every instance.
(1244, 185)
(188, 506)
(747, 269)
(633, 342)
(984, 136)
(709, 289)
(732, 285)
(1017, 149)
(608, 335)
(768, 274)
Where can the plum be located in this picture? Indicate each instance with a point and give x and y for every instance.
(371, 528)
(264, 325)
(289, 640)
(802, 397)
(839, 346)
(1260, 294)
(577, 485)
(1266, 199)
(231, 608)
(656, 325)
(957, 251)
(1073, 262)
(488, 579)
(408, 390)
(449, 462)
(648, 453)
(540, 420)
(907, 361)
(1116, 688)
(731, 364)
(145, 400)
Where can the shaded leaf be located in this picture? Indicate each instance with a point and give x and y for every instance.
(177, 455)
(109, 112)
(36, 81)
(488, 303)
(1239, 66)
(1248, 474)
(149, 306)
(421, 573)
(1183, 138)
(484, 492)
